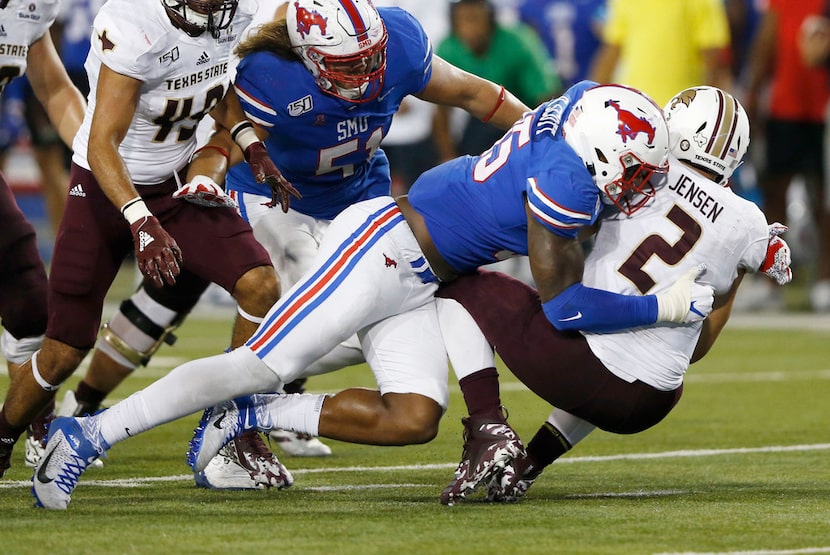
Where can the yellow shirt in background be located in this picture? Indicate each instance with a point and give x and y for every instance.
(661, 42)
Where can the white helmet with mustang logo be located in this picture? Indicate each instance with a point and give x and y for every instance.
(342, 43)
(622, 137)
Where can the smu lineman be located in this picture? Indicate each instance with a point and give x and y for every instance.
(377, 269)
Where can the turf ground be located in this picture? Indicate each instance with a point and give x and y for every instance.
(740, 466)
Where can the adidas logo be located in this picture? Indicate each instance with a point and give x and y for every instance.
(203, 59)
(77, 191)
(2, 31)
(144, 239)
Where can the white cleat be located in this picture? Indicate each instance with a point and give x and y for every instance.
(68, 454)
(299, 445)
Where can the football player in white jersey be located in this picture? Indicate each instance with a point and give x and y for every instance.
(627, 381)
(156, 68)
(26, 48)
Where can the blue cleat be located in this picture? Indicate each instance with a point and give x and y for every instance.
(69, 451)
(219, 425)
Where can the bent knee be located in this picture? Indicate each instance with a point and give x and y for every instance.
(257, 290)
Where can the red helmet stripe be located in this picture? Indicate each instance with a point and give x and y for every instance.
(354, 16)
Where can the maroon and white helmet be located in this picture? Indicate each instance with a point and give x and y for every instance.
(342, 43)
(709, 129)
(621, 135)
(194, 17)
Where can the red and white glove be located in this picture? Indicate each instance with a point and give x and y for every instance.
(204, 191)
(776, 264)
(159, 257)
(686, 301)
(263, 168)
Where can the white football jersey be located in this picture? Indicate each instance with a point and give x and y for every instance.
(183, 79)
(21, 24)
(690, 221)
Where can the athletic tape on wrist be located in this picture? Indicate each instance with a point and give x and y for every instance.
(135, 210)
(244, 135)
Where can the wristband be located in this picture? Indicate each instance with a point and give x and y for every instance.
(499, 102)
(134, 210)
(221, 151)
(244, 135)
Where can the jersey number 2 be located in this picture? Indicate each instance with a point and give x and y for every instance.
(655, 245)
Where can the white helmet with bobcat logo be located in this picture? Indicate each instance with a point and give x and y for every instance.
(709, 129)
(342, 43)
(194, 17)
(621, 135)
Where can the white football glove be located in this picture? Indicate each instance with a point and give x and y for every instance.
(204, 191)
(776, 265)
(686, 301)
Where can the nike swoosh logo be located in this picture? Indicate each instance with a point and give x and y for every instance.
(387, 93)
(41, 473)
(218, 423)
(576, 316)
(695, 310)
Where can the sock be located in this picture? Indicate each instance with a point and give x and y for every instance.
(481, 394)
(9, 434)
(89, 399)
(299, 412)
(546, 446)
(189, 388)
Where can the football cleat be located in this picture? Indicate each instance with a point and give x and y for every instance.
(245, 463)
(36, 439)
(69, 451)
(488, 447)
(71, 407)
(220, 424)
(515, 479)
(299, 445)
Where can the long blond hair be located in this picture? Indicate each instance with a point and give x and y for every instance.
(269, 37)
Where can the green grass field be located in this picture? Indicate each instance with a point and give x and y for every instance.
(741, 465)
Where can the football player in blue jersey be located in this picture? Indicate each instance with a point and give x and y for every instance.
(376, 272)
(322, 80)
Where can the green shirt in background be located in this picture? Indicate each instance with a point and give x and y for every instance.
(515, 59)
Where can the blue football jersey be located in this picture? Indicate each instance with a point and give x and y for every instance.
(327, 147)
(474, 207)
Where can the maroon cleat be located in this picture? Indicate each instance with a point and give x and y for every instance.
(488, 447)
(514, 480)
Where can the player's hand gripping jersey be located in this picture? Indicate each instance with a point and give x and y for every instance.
(325, 146)
(183, 78)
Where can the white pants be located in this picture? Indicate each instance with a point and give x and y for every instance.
(369, 277)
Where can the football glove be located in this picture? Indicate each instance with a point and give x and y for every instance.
(203, 191)
(686, 301)
(265, 171)
(776, 265)
(159, 257)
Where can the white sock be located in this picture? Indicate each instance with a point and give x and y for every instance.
(298, 412)
(189, 388)
(572, 427)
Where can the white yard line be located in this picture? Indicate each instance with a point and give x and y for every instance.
(136, 482)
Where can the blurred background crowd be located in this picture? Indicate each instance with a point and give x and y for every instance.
(773, 55)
